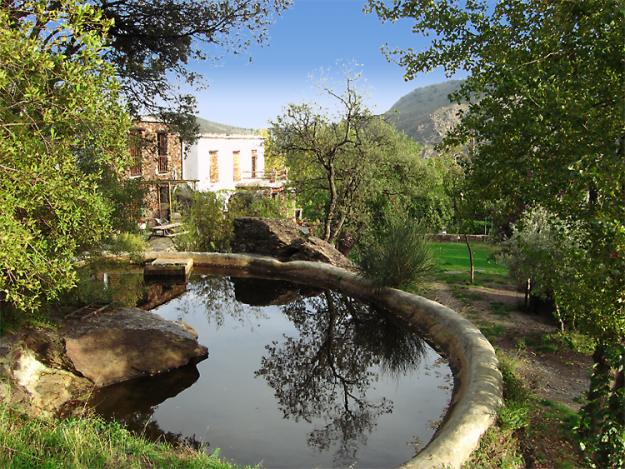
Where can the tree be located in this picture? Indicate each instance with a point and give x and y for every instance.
(549, 129)
(153, 41)
(335, 162)
(62, 130)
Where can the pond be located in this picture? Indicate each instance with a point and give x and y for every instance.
(294, 377)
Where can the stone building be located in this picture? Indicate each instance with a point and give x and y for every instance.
(158, 155)
(223, 158)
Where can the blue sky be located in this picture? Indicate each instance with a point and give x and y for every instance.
(312, 36)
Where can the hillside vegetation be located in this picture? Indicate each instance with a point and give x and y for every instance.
(425, 112)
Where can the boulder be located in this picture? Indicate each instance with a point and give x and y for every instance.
(285, 241)
(121, 344)
(35, 374)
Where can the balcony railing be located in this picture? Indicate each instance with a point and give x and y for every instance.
(271, 176)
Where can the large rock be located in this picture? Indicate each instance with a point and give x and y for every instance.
(283, 240)
(36, 375)
(122, 344)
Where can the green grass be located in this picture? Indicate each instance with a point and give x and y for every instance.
(525, 424)
(557, 342)
(501, 309)
(492, 331)
(454, 257)
(88, 442)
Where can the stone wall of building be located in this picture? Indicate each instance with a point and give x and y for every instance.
(160, 162)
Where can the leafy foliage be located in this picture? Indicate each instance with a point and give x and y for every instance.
(350, 169)
(332, 158)
(255, 204)
(545, 250)
(208, 226)
(549, 129)
(151, 42)
(61, 129)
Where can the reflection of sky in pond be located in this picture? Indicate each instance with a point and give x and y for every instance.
(323, 381)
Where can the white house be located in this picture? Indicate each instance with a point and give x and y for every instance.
(227, 158)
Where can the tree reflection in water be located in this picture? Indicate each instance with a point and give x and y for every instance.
(327, 371)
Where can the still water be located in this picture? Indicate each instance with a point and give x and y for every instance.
(294, 378)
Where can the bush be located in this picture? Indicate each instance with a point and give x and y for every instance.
(256, 204)
(546, 250)
(131, 243)
(208, 227)
(398, 256)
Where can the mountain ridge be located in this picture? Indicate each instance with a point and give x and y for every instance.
(426, 114)
(210, 127)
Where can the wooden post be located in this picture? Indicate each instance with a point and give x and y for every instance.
(171, 208)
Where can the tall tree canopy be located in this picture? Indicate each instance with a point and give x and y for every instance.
(549, 129)
(153, 42)
(340, 163)
(62, 134)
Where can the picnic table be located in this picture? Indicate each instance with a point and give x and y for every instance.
(168, 230)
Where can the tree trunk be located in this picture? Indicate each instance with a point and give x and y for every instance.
(558, 314)
(337, 230)
(528, 291)
(471, 265)
(617, 399)
(331, 207)
(598, 392)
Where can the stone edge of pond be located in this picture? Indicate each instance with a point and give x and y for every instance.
(478, 386)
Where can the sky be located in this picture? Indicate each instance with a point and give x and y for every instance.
(312, 39)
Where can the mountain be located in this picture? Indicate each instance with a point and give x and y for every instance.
(210, 127)
(426, 114)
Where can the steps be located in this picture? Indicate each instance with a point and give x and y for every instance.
(168, 268)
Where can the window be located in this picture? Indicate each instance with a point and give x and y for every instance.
(214, 169)
(161, 138)
(254, 158)
(236, 166)
(135, 152)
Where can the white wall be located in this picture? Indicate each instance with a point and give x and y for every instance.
(196, 165)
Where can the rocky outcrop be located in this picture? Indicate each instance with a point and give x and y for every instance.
(283, 240)
(126, 343)
(52, 370)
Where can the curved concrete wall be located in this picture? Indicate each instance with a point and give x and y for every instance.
(478, 384)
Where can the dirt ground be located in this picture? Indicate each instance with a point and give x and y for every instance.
(561, 376)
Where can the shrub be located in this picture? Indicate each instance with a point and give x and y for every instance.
(545, 249)
(208, 227)
(398, 256)
(256, 204)
(131, 243)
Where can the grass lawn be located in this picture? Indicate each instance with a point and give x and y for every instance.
(452, 263)
(88, 443)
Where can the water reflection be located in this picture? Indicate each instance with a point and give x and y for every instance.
(133, 402)
(320, 381)
(216, 297)
(112, 284)
(264, 292)
(327, 370)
